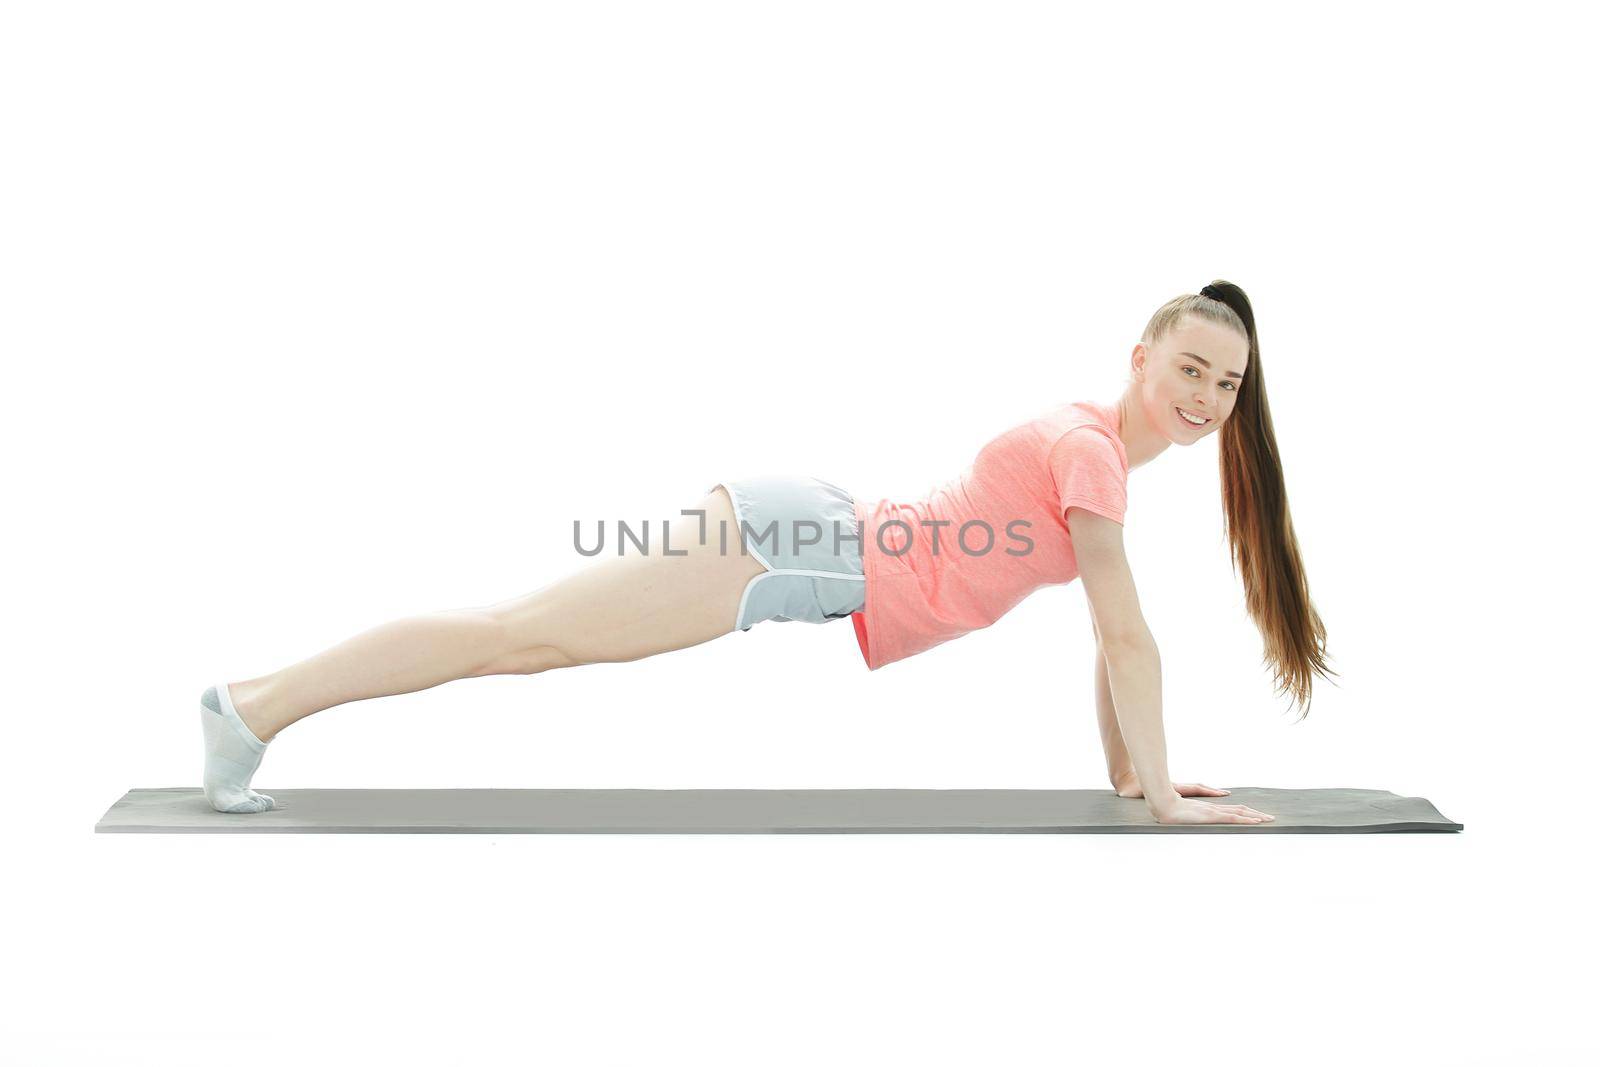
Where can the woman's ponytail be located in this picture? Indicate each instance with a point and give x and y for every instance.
(1261, 538)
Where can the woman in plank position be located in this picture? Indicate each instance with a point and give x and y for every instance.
(1041, 504)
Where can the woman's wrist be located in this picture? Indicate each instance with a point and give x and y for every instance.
(1163, 801)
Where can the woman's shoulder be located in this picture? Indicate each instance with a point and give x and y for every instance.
(1071, 414)
(1100, 420)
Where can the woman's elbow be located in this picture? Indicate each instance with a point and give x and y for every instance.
(1137, 641)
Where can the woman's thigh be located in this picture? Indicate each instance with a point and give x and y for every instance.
(635, 605)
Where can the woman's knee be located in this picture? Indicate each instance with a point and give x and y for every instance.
(535, 660)
(515, 650)
(538, 660)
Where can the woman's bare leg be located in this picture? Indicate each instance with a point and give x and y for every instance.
(618, 608)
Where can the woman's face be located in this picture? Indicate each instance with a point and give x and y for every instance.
(1196, 368)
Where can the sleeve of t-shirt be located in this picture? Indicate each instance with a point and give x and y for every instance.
(1088, 473)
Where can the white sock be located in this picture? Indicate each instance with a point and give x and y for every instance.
(232, 755)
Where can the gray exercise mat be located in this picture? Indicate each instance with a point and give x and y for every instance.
(755, 811)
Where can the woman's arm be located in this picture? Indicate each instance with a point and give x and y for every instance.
(1133, 674)
(1133, 666)
(1119, 765)
(1133, 671)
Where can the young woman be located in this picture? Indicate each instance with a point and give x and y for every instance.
(1041, 504)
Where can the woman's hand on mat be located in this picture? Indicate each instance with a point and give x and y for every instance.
(1183, 810)
(1128, 786)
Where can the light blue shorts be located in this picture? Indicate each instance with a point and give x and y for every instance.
(804, 532)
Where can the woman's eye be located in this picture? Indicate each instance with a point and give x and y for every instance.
(1231, 387)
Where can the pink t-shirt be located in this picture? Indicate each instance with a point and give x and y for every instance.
(934, 571)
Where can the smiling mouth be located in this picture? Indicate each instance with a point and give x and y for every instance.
(1182, 414)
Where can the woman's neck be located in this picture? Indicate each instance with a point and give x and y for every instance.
(1142, 441)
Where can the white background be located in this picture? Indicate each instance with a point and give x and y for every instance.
(322, 314)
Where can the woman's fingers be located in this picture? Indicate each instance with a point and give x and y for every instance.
(1242, 809)
(1195, 789)
(1204, 811)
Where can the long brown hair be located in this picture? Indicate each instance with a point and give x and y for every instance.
(1261, 536)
